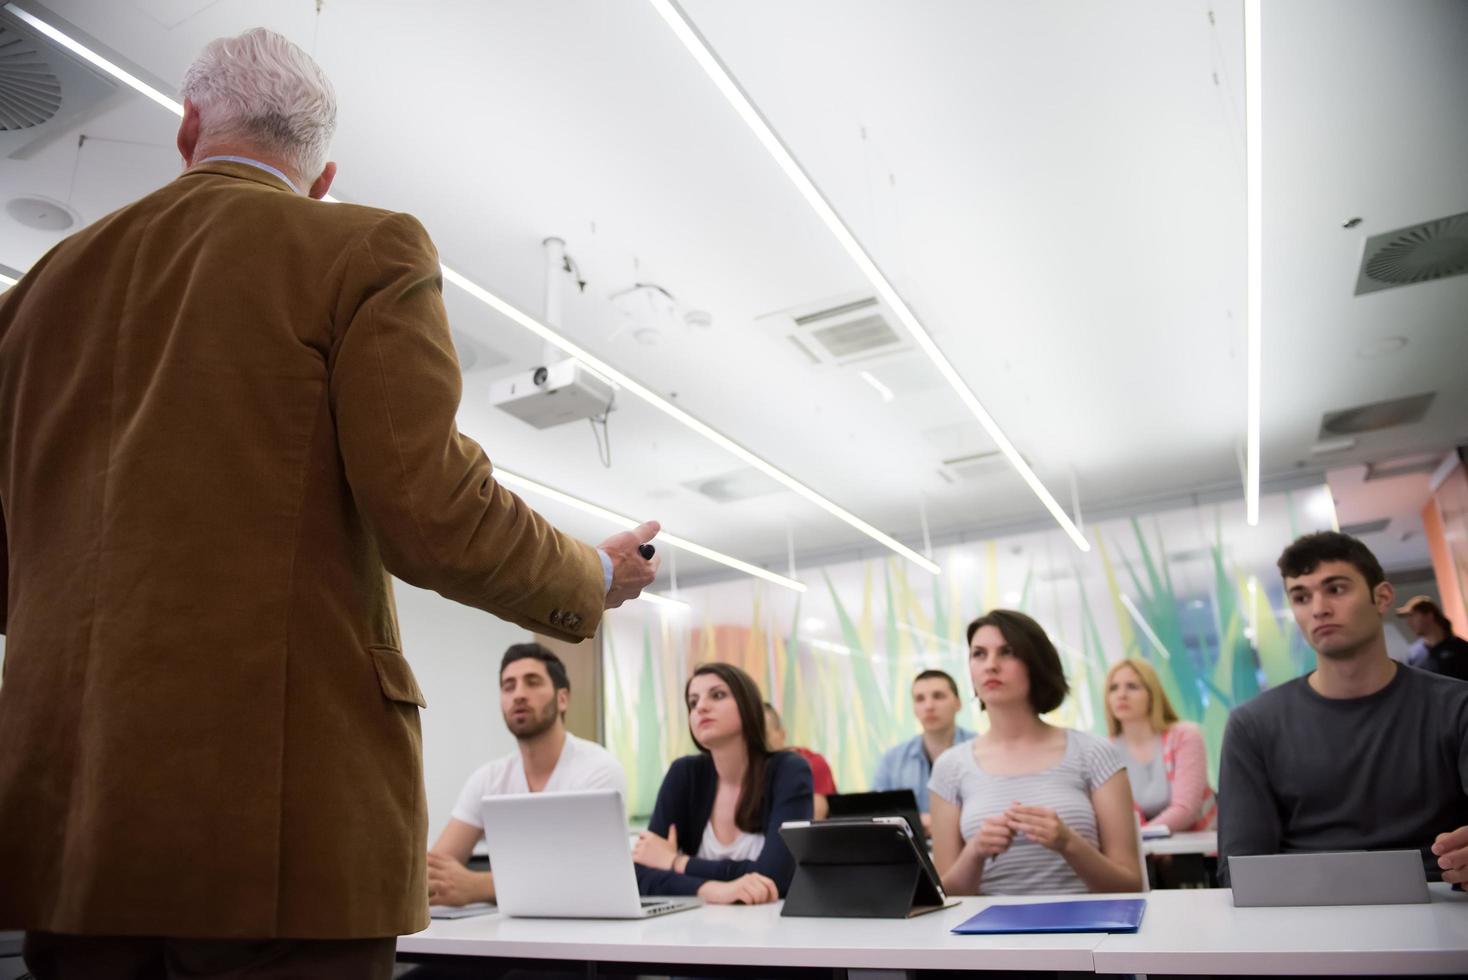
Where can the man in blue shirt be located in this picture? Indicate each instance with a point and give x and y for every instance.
(908, 765)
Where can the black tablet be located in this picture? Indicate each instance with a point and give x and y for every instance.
(860, 868)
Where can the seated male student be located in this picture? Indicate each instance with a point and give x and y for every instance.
(823, 781)
(1362, 753)
(909, 764)
(534, 694)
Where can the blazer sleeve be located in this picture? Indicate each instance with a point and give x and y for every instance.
(1189, 780)
(427, 492)
(791, 799)
(672, 807)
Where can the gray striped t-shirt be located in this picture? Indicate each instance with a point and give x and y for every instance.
(1028, 868)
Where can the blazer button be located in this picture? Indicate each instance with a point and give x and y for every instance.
(573, 622)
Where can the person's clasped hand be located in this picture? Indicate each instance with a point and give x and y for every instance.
(631, 573)
(994, 836)
(653, 851)
(1451, 850)
(749, 889)
(1040, 824)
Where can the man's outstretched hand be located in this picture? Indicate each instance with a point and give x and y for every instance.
(631, 573)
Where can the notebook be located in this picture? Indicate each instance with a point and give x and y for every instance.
(1104, 915)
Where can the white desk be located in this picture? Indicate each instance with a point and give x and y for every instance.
(1198, 931)
(1192, 931)
(758, 937)
(1200, 842)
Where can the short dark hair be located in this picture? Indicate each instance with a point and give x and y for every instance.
(534, 651)
(1306, 553)
(1428, 606)
(1028, 641)
(934, 673)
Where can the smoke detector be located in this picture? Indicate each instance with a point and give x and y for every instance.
(41, 213)
(1418, 253)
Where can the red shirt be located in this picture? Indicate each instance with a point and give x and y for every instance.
(820, 771)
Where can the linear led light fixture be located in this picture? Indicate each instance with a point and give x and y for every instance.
(666, 602)
(621, 520)
(683, 28)
(1253, 153)
(6, 281)
(591, 362)
(1145, 626)
(882, 389)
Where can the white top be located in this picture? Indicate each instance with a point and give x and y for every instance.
(1151, 790)
(1028, 868)
(745, 847)
(582, 765)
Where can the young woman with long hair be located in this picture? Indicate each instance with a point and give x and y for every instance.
(715, 829)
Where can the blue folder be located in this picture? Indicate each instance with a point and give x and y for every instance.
(1106, 915)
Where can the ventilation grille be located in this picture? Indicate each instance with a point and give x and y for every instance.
(842, 332)
(736, 485)
(1377, 415)
(43, 88)
(1410, 466)
(1366, 527)
(30, 92)
(1419, 253)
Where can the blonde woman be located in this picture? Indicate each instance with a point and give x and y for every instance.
(1166, 760)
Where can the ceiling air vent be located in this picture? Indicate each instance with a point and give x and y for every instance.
(43, 88)
(30, 93)
(974, 466)
(1366, 527)
(736, 485)
(1419, 253)
(1377, 415)
(1409, 466)
(843, 332)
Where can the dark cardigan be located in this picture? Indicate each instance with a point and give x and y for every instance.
(686, 800)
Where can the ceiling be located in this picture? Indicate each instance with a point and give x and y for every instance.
(1055, 188)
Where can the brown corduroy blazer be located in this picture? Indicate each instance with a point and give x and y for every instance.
(226, 415)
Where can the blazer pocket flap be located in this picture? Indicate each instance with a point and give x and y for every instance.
(396, 677)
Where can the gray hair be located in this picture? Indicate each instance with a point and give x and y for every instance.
(262, 89)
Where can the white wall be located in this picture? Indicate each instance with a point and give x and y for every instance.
(455, 653)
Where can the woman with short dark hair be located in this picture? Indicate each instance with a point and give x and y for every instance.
(715, 829)
(1028, 807)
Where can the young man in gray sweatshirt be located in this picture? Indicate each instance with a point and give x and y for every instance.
(1362, 753)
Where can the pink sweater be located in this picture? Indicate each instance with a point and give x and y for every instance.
(1185, 760)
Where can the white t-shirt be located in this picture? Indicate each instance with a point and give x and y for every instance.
(583, 765)
(744, 847)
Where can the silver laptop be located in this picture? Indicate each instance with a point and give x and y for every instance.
(566, 856)
(1329, 878)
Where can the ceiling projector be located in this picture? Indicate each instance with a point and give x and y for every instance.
(552, 395)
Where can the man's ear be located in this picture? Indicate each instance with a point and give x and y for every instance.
(188, 133)
(1383, 596)
(563, 700)
(322, 184)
